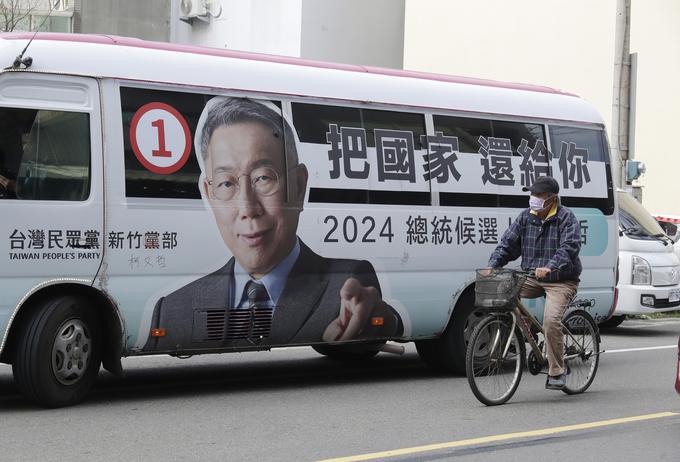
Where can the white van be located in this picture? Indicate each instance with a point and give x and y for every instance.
(150, 190)
(649, 269)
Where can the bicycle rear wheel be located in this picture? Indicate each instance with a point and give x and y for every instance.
(494, 359)
(581, 351)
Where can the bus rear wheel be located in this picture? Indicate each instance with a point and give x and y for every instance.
(613, 322)
(58, 352)
(447, 353)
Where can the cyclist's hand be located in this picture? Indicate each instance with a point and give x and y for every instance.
(542, 273)
(485, 272)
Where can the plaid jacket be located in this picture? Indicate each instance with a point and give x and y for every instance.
(554, 243)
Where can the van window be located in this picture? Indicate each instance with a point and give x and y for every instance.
(44, 155)
(635, 220)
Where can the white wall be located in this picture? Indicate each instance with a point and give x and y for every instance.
(567, 44)
(369, 32)
(262, 26)
(148, 20)
(655, 36)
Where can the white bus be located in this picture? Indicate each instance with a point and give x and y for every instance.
(167, 199)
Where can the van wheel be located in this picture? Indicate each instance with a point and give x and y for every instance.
(348, 352)
(612, 322)
(58, 352)
(447, 353)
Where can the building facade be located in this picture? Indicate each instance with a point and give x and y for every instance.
(30, 15)
(344, 31)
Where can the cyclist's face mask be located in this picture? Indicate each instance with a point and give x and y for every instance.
(537, 204)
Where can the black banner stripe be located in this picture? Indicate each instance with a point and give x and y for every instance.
(363, 196)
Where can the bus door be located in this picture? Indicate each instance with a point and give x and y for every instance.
(51, 187)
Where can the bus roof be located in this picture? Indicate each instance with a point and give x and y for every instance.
(84, 54)
(135, 42)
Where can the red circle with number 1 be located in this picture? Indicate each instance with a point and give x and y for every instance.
(160, 138)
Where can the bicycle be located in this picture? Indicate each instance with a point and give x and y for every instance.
(496, 352)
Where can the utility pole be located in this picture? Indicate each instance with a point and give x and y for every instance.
(623, 113)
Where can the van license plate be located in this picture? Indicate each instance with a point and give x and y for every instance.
(674, 296)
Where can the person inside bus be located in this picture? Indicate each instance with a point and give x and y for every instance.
(547, 236)
(275, 288)
(10, 151)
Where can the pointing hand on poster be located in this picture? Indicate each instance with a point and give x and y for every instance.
(360, 308)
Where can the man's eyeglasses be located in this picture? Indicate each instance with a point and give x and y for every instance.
(226, 185)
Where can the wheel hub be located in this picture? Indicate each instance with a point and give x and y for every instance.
(533, 364)
(71, 351)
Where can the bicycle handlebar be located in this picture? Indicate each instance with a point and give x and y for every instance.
(531, 273)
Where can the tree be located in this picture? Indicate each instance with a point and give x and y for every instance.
(14, 12)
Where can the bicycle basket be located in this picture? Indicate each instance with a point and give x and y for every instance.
(498, 290)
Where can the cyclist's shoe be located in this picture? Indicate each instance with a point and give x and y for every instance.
(556, 382)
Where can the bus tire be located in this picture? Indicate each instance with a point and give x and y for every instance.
(58, 352)
(612, 322)
(447, 353)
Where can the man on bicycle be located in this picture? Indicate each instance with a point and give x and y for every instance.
(547, 236)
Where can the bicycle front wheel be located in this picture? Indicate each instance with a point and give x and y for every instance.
(581, 351)
(494, 359)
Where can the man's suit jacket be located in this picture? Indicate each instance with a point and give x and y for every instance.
(196, 316)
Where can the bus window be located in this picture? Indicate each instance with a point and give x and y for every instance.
(590, 140)
(378, 152)
(578, 153)
(516, 132)
(391, 120)
(398, 139)
(316, 125)
(44, 155)
(469, 130)
(140, 182)
(311, 121)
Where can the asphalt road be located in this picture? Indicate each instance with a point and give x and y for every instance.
(292, 405)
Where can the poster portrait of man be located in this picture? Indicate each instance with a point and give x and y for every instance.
(274, 289)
